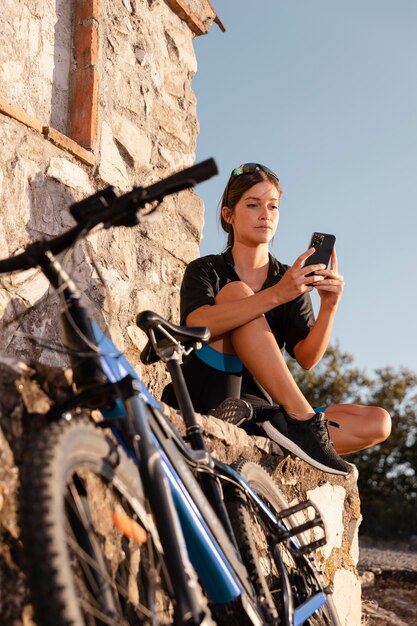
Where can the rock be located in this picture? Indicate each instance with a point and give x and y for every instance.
(299, 481)
(367, 579)
(389, 583)
(374, 615)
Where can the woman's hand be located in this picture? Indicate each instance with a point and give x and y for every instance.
(296, 280)
(331, 287)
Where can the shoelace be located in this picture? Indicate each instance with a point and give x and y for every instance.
(320, 426)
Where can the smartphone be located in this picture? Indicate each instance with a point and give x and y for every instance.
(324, 244)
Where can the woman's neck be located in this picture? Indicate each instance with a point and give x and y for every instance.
(250, 258)
(251, 265)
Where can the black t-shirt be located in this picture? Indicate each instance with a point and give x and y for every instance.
(205, 277)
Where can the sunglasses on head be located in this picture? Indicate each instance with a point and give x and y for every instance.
(251, 168)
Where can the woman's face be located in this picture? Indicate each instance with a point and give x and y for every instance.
(255, 217)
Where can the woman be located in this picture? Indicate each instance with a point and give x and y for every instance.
(255, 307)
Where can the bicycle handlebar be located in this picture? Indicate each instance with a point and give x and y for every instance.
(106, 208)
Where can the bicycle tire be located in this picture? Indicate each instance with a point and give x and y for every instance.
(83, 569)
(265, 572)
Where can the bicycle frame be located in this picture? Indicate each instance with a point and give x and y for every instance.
(217, 576)
(137, 412)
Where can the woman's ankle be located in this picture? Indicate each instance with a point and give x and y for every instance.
(300, 415)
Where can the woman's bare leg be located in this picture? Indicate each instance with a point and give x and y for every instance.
(257, 348)
(360, 426)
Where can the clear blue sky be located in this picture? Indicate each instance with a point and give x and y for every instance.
(324, 92)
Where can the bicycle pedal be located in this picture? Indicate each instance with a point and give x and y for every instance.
(294, 530)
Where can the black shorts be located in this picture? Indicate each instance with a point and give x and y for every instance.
(208, 387)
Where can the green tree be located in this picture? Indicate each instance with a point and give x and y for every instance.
(388, 471)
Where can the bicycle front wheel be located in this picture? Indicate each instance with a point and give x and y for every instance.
(267, 571)
(93, 556)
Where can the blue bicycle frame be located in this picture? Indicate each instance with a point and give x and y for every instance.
(214, 570)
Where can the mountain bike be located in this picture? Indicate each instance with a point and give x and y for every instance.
(122, 521)
(270, 534)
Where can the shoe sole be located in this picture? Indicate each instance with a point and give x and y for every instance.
(289, 445)
(234, 411)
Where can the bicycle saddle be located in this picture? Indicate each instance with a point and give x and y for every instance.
(163, 334)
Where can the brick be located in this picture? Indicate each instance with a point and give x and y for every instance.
(85, 46)
(64, 142)
(19, 115)
(84, 107)
(182, 10)
(211, 13)
(86, 10)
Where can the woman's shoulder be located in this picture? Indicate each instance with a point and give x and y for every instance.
(208, 261)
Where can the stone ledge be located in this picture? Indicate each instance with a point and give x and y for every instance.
(51, 134)
(199, 25)
(64, 142)
(181, 9)
(21, 116)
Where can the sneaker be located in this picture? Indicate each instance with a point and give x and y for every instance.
(234, 411)
(307, 439)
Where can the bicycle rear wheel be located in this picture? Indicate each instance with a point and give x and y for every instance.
(267, 573)
(93, 556)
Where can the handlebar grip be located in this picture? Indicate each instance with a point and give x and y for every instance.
(14, 263)
(105, 207)
(182, 180)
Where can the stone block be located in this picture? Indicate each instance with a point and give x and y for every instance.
(330, 498)
(134, 140)
(33, 287)
(112, 168)
(69, 174)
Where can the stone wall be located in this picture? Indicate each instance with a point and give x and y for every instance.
(124, 68)
(147, 129)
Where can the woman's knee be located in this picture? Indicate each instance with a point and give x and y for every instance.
(381, 422)
(234, 290)
(376, 425)
(361, 425)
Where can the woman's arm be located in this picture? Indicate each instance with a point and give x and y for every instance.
(224, 317)
(310, 350)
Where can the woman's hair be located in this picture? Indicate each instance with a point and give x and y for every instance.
(234, 190)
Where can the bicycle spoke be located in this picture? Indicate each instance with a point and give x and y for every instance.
(92, 573)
